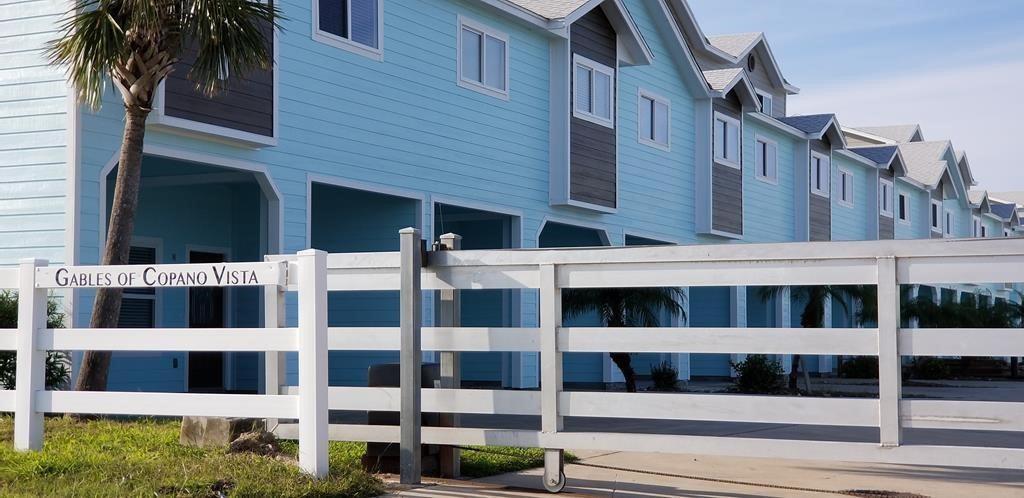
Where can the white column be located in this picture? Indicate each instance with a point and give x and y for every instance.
(737, 318)
(551, 368)
(30, 370)
(449, 315)
(410, 356)
(915, 292)
(682, 360)
(274, 362)
(312, 291)
(783, 319)
(889, 364)
(825, 361)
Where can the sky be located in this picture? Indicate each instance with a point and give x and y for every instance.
(952, 66)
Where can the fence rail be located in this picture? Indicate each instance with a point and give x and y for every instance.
(302, 411)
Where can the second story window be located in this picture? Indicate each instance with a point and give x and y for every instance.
(903, 208)
(820, 174)
(353, 25)
(845, 184)
(483, 59)
(765, 100)
(653, 120)
(885, 198)
(976, 227)
(727, 140)
(593, 91)
(936, 216)
(766, 160)
(949, 223)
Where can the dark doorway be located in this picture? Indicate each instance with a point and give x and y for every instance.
(205, 311)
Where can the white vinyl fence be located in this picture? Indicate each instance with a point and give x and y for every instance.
(312, 274)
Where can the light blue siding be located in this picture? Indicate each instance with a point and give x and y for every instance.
(709, 307)
(768, 207)
(919, 206)
(34, 132)
(859, 221)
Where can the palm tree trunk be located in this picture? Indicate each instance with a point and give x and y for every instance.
(1014, 367)
(624, 362)
(107, 307)
(794, 371)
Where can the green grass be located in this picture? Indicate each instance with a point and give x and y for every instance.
(104, 458)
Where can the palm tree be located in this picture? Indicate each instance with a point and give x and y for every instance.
(632, 307)
(135, 43)
(813, 316)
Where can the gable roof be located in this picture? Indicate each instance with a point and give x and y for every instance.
(1004, 210)
(880, 155)
(965, 169)
(723, 81)
(817, 126)
(731, 49)
(928, 162)
(895, 134)
(557, 15)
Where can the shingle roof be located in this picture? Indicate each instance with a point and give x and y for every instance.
(880, 155)
(735, 45)
(976, 196)
(719, 79)
(814, 123)
(899, 133)
(925, 161)
(1003, 210)
(549, 9)
(1014, 197)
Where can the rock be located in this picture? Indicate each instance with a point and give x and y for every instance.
(257, 442)
(213, 431)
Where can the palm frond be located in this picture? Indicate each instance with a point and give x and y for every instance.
(230, 37)
(631, 307)
(91, 44)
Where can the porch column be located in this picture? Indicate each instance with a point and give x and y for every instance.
(449, 315)
(737, 318)
(682, 360)
(825, 361)
(783, 313)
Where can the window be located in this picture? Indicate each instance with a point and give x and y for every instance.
(976, 227)
(820, 174)
(483, 59)
(984, 231)
(354, 25)
(766, 102)
(936, 213)
(727, 140)
(653, 120)
(949, 223)
(138, 305)
(766, 160)
(885, 198)
(594, 91)
(845, 184)
(903, 208)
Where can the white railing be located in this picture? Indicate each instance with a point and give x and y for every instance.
(886, 264)
(312, 274)
(33, 279)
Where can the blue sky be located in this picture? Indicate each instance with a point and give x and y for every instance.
(953, 66)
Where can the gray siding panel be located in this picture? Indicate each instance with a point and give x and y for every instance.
(592, 146)
(727, 199)
(246, 104)
(760, 78)
(821, 218)
(887, 225)
(936, 195)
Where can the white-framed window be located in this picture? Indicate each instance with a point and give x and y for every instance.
(885, 197)
(353, 25)
(821, 166)
(936, 216)
(654, 120)
(727, 140)
(593, 91)
(845, 187)
(765, 99)
(976, 226)
(984, 231)
(903, 208)
(138, 304)
(766, 160)
(483, 59)
(949, 223)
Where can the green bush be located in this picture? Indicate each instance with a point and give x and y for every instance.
(758, 374)
(57, 362)
(859, 367)
(929, 368)
(664, 376)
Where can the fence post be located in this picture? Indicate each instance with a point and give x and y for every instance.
(410, 356)
(890, 382)
(274, 363)
(313, 411)
(31, 361)
(451, 377)
(550, 372)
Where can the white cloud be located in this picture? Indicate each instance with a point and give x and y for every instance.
(977, 107)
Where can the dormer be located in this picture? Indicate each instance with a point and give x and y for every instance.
(867, 136)
(891, 206)
(814, 205)
(965, 169)
(601, 37)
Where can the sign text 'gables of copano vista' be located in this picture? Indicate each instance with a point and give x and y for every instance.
(184, 275)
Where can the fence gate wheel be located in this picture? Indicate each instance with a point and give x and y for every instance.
(555, 487)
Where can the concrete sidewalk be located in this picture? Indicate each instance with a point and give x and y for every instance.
(761, 474)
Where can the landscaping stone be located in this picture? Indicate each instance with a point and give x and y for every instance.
(214, 431)
(257, 442)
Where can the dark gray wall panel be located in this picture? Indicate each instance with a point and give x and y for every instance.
(937, 195)
(820, 207)
(246, 104)
(887, 225)
(727, 199)
(760, 77)
(593, 146)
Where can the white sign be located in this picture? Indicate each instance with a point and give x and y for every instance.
(192, 275)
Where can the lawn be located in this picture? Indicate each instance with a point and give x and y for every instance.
(143, 458)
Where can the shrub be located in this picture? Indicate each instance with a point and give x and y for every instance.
(929, 368)
(758, 374)
(664, 376)
(859, 367)
(57, 362)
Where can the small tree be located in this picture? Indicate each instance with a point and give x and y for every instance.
(57, 370)
(632, 307)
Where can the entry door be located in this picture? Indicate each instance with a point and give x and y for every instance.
(206, 310)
